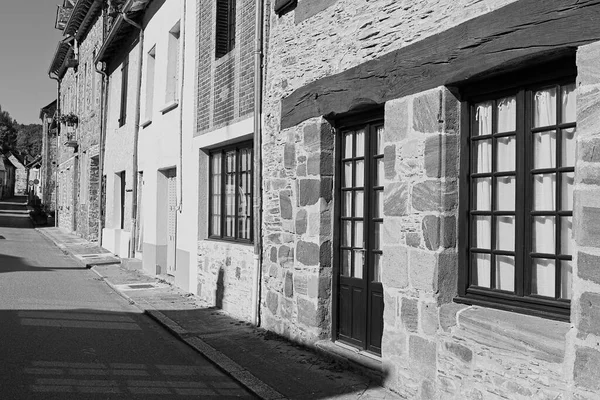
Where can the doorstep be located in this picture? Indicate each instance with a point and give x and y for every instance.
(366, 363)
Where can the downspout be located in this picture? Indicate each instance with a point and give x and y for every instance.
(181, 87)
(57, 113)
(257, 272)
(103, 121)
(136, 133)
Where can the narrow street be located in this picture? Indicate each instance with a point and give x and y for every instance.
(66, 335)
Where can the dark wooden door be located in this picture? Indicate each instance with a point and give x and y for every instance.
(360, 301)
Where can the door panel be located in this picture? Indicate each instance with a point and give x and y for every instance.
(360, 305)
(171, 221)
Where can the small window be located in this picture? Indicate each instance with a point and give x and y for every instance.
(517, 241)
(150, 67)
(225, 27)
(230, 190)
(124, 79)
(173, 65)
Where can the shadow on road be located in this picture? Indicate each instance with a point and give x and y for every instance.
(17, 264)
(14, 213)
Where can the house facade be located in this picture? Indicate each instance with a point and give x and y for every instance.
(48, 157)
(429, 192)
(21, 174)
(78, 203)
(7, 177)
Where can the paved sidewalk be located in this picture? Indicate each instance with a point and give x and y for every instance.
(271, 367)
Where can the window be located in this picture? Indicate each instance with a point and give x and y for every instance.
(516, 238)
(150, 65)
(173, 64)
(124, 78)
(225, 23)
(230, 203)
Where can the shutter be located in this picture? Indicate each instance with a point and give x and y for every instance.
(222, 28)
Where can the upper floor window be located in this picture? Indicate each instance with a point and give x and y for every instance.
(230, 201)
(516, 243)
(225, 27)
(173, 64)
(124, 83)
(150, 67)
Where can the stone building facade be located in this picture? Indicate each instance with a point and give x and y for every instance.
(48, 162)
(366, 242)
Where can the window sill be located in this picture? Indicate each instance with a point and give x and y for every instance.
(169, 106)
(524, 334)
(229, 241)
(146, 123)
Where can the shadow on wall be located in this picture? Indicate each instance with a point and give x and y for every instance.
(220, 291)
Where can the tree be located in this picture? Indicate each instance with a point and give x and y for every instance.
(8, 131)
(29, 139)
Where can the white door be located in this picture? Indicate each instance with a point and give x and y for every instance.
(171, 220)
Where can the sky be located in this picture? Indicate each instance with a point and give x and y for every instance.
(28, 41)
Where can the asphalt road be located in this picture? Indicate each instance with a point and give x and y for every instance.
(65, 334)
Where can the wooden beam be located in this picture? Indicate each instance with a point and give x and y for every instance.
(517, 31)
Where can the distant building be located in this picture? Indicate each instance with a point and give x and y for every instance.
(7, 177)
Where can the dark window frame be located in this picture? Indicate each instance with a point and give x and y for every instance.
(222, 151)
(225, 21)
(521, 83)
(124, 83)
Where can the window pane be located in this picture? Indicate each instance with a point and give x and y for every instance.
(348, 174)
(544, 189)
(358, 235)
(347, 233)
(481, 232)
(360, 173)
(377, 267)
(348, 145)
(543, 232)
(379, 172)
(544, 107)
(544, 149)
(506, 153)
(568, 103)
(376, 236)
(346, 263)
(360, 143)
(566, 235)
(566, 279)
(359, 203)
(379, 146)
(358, 264)
(378, 206)
(505, 273)
(483, 119)
(481, 269)
(566, 193)
(483, 195)
(543, 275)
(505, 193)
(567, 139)
(506, 114)
(347, 207)
(482, 156)
(505, 233)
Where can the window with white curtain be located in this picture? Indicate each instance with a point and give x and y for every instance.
(518, 249)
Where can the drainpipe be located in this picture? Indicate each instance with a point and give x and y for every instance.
(182, 78)
(257, 273)
(136, 133)
(103, 121)
(57, 113)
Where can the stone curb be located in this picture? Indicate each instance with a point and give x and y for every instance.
(233, 369)
(62, 247)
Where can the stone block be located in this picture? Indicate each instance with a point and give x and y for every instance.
(409, 314)
(588, 71)
(309, 314)
(433, 156)
(589, 150)
(451, 156)
(288, 287)
(312, 135)
(588, 174)
(289, 155)
(301, 284)
(392, 229)
(285, 253)
(395, 202)
(272, 302)
(301, 221)
(588, 110)
(389, 162)
(413, 239)
(423, 355)
(309, 191)
(431, 231)
(327, 188)
(429, 318)
(447, 275)
(285, 204)
(586, 371)
(426, 112)
(434, 196)
(313, 164)
(451, 113)
(462, 352)
(395, 267)
(448, 232)
(588, 233)
(325, 258)
(273, 254)
(301, 170)
(307, 253)
(422, 270)
(448, 313)
(588, 266)
(389, 309)
(393, 343)
(589, 318)
(396, 120)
